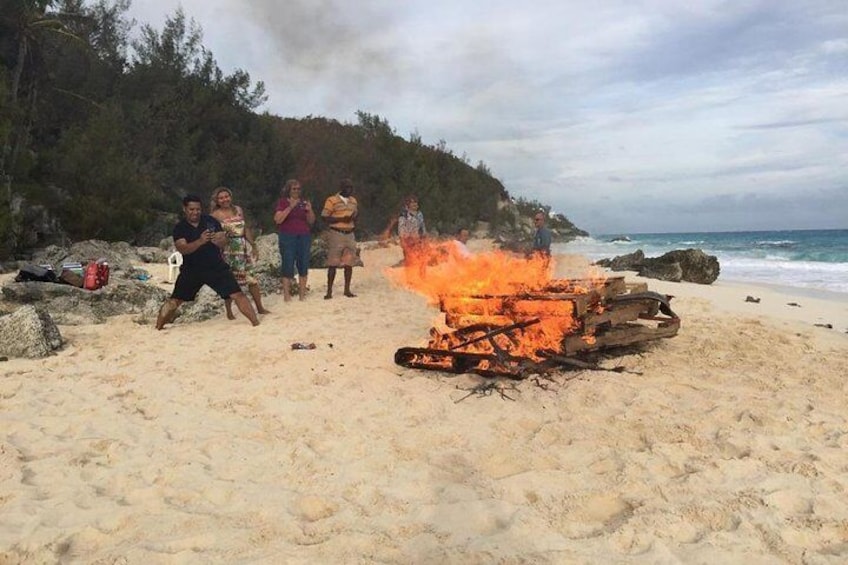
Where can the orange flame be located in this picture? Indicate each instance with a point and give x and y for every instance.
(437, 269)
(489, 291)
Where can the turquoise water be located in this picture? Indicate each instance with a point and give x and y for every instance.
(816, 259)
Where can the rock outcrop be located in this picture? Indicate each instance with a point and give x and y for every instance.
(127, 292)
(690, 265)
(70, 305)
(29, 332)
(516, 234)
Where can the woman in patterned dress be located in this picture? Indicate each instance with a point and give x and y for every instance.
(240, 251)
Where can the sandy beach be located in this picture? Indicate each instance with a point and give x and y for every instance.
(215, 442)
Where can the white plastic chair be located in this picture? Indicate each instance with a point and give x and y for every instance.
(175, 261)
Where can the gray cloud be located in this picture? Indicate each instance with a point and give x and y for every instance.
(733, 37)
(795, 123)
(625, 116)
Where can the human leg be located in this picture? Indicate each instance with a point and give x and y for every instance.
(288, 254)
(186, 287)
(331, 278)
(224, 283)
(301, 286)
(256, 294)
(348, 275)
(287, 282)
(245, 307)
(228, 304)
(304, 248)
(167, 312)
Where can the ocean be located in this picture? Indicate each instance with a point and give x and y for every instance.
(809, 259)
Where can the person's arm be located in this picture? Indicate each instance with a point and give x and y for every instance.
(181, 234)
(339, 219)
(283, 210)
(187, 248)
(310, 213)
(248, 233)
(219, 236)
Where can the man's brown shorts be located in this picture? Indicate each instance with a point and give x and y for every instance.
(341, 249)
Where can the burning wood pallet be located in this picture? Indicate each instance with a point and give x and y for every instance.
(537, 331)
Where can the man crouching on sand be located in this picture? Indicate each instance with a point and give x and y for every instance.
(199, 238)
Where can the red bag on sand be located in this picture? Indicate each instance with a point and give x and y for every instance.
(96, 275)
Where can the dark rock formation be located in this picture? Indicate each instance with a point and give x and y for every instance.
(70, 305)
(128, 293)
(153, 254)
(690, 265)
(696, 266)
(28, 332)
(120, 255)
(660, 270)
(629, 262)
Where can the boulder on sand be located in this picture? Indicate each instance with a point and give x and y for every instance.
(690, 265)
(28, 332)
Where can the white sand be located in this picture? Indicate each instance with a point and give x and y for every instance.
(215, 442)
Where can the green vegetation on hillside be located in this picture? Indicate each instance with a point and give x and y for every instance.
(101, 136)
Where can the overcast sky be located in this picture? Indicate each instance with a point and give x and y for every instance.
(625, 115)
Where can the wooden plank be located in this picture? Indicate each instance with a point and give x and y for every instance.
(618, 336)
(460, 321)
(618, 313)
(568, 285)
(520, 306)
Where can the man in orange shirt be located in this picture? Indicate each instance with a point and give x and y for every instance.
(340, 212)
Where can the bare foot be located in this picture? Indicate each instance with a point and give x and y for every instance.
(263, 311)
(256, 323)
(287, 298)
(328, 296)
(167, 313)
(230, 315)
(349, 294)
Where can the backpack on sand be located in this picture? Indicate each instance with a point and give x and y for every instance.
(35, 273)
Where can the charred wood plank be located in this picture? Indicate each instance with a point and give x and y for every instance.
(493, 333)
(619, 313)
(617, 336)
(462, 362)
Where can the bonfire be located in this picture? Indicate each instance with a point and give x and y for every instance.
(503, 314)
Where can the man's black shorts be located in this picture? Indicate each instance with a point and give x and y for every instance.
(219, 279)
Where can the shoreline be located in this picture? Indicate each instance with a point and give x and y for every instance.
(811, 292)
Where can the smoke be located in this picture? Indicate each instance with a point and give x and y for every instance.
(340, 45)
(373, 55)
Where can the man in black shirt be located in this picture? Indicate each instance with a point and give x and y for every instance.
(199, 238)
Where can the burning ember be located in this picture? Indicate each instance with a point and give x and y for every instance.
(504, 315)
